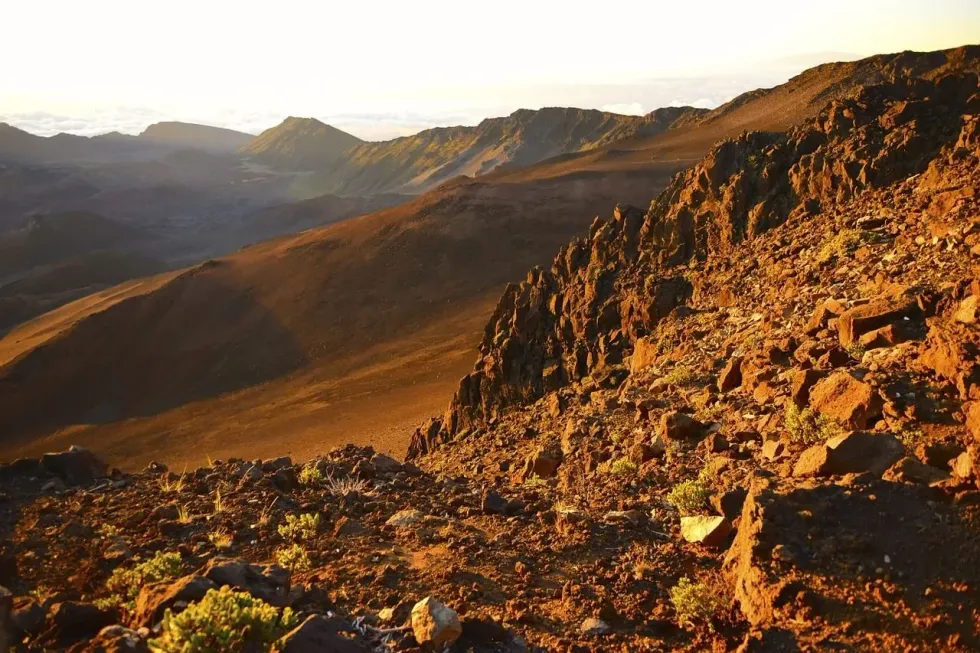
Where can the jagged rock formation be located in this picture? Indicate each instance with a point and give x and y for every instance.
(606, 291)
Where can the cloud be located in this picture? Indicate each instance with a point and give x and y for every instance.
(624, 108)
(381, 118)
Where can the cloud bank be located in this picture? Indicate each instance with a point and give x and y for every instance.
(406, 116)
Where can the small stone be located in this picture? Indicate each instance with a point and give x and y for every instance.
(405, 519)
(434, 623)
(773, 449)
(593, 626)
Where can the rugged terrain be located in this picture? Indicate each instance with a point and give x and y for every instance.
(747, 417)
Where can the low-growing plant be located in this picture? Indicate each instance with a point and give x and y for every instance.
(311, 475)
(219, 504)
(856, 350)
(696, 602)
(808, 427)
(690, 497)
(300, 527)
(840, 245)
(346, 485)
(265, 515)
(183, 514)
(681, 375)
(294, 558)
(220, 538)
(224, 620)
(124, 584)
(175, 485)
(623, 467)
(108, 531)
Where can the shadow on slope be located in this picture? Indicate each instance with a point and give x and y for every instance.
(143, 354)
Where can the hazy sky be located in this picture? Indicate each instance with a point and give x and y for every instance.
(380, 68)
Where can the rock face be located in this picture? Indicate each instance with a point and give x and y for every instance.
(435, 624)
(606, 291)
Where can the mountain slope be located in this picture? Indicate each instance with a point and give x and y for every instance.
(746, 419)
(46, 239)
(299, 144)
(431, 157)
(775, 109)
(390, 302)
(604, 293)
(186, 135)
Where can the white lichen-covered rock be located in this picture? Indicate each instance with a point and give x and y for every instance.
(435, 623)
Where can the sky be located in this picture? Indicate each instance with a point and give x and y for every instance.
(379, 68)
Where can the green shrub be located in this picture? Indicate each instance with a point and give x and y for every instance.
(690, 497)
(840, 245)
(681, 375)
(299, 528)
(623, 467)
(856, 350)
(807, 427)
(695, 602)
(311, 475)
(294, 558)
(223, 620)
(124, 584)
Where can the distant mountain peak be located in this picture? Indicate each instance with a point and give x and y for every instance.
(300, 143)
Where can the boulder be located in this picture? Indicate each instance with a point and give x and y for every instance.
(676, 425)
(973, 420)
(405, 519)
(803, 381)
(966, 312)
(731, 375)
(7, 638)
(851, 453)
(28, 616)
(644, 354)
(912, 470)
(710, 531)
(385, 464)
(854, 322)
(317, 634)
(117, 639)
(267, 582)
(886, 336)
(493, 504)
(76, 466)
(153, 600)
(965, 465)
(542, 464)
(435, 624)
(847, 400)
(73, 620)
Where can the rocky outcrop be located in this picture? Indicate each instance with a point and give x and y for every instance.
(604, 292)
